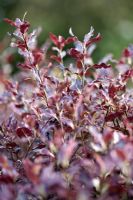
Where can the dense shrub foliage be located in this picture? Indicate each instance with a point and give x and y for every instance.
(65, 135)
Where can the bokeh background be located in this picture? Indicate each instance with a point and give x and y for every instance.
(112, 18)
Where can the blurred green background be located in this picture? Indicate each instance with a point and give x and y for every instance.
(112, 18)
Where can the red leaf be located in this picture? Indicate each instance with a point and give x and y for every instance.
(114, 89)
(70, 40)
(54, 38)
(66, 152)
(121, 154)
(56, 58)
(108, 137)
(93, 40)
(10, 58)
(112, 116)
(8, 84)
(130, 118)
(76, 54)
(23, 132)
(6, 179)
(24, 27)
(102, 65)
(126, 53)
(61, 42)
(32, 170)
(38, 56)
(25, 66)
(128, 74)
(21, 45)
(4, 162)
(11, 145)
(88, 73)
(12, 23)
(58, 41)
(79, 64)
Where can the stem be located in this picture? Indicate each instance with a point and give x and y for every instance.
(83, 76)
(59, 114)
(29, 147)
(117, 121)
(76, 149)
(62, 65)
(104, 120)
(37, 72)
(83, 68)
(114, 123)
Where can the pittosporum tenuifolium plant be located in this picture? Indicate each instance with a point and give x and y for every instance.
(65, 135)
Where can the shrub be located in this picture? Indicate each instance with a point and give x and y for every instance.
(66, 135)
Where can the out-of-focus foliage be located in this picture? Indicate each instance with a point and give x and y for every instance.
(113, 19)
